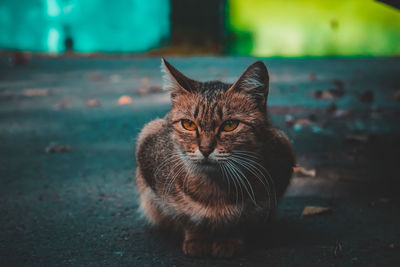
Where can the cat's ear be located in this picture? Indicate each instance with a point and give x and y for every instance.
(174, 81)
(254, 81)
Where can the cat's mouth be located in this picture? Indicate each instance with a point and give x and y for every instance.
(207, 162)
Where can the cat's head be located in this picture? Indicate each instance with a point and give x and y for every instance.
(213, 120)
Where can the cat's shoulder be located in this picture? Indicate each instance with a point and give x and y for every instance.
(152, 128)
(278, 135)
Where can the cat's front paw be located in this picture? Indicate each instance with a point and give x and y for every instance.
(197, 247)
(226, 248)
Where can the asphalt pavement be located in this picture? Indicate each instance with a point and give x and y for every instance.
(68, 128)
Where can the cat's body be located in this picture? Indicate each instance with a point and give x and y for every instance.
(213, 167)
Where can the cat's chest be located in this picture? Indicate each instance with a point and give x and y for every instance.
(215, 210)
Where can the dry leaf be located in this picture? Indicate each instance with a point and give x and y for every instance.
(93, 102)
(304, 172)
(95, 77)
(356, 138)
(125, 100)
(315, 210)
(142, 91)
(145, 81)
(155, 89)
(57, 148)
(330, 93)
(36, 92)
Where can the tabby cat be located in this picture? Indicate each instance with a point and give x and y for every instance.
(213, 167)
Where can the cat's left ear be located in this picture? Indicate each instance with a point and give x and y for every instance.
(174, 81)
(254, 81)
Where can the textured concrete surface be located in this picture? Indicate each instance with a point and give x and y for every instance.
(67, 161)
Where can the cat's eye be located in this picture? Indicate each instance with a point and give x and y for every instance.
(230, 125)
(188, 125)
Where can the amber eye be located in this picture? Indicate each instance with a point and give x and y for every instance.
(188, 125)
(230, 125)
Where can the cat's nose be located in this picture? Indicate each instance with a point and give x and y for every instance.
(206, 150)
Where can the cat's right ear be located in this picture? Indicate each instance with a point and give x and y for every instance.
(174, 81)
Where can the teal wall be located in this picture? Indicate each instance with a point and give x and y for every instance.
(93, 25)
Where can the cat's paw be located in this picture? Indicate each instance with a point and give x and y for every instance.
(197, 247)
(226, 248)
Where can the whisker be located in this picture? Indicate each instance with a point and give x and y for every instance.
(236, 183)
(249, 157)
(239, 178)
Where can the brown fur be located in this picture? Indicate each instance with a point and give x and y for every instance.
(213, 198)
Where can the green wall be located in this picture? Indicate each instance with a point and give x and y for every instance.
(293, 28)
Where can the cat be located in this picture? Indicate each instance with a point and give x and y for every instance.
(213, 167)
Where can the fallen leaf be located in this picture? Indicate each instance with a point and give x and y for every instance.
(57, 148)
(142, 91)
(337, 92)
(330, 93)
(145, 81)
(155, 89)
(356, 138)
(125, 100)
(338, 83)
(36, 92)
(115, 78)
(94, 76)
(316, 210)
(319, 94)
(303, 121)
(304, 172)
(93, 102)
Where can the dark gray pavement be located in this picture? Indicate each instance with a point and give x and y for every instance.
(77, 206)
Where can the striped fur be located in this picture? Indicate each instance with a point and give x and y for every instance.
(213, 198)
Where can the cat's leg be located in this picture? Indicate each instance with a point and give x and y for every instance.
(226, 247)
(196, 244)
(201, 244)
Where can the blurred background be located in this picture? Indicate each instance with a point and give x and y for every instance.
(79, 79)
(262, 28)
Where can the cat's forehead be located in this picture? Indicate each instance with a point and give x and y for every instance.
(212, 89)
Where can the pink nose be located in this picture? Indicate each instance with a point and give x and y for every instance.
(206, 150)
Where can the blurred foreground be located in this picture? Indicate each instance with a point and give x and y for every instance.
(68, 129)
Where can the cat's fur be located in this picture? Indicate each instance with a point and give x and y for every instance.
(213, 200)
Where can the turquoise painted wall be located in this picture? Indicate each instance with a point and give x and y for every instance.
(93, 25)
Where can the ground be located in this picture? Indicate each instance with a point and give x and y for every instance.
(67, 194)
